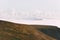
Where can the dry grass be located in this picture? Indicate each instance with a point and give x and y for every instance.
(13, 31)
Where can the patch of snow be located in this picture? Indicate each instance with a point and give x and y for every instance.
(54, 22)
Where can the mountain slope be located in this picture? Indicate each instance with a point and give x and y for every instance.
(52, 31)
(13, 31)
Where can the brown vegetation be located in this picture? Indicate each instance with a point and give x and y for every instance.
(14, 31)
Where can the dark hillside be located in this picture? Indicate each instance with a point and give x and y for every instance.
(52, 31)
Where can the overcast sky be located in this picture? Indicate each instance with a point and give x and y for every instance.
(30, 8)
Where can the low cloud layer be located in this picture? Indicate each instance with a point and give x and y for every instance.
(31, 15)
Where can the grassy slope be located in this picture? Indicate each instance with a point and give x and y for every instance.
(13, 31)
(52, 31)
